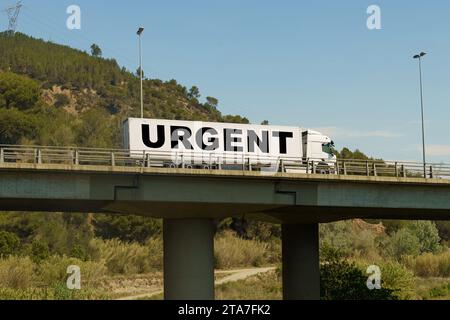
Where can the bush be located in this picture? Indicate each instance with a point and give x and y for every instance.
(440, 292)
(39, 250)
(429, 265)
(403, 243)
(398, 279)
(231, 251)
(61, 100)
(415, 238)
(9, 244)
(428, 235)
(343, 280)
(351, 240)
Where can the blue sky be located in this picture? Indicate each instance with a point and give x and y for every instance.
(313, 64)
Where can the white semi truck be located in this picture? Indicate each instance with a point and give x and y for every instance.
(197, 144)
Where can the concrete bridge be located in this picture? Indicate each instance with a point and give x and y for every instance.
(190, 199)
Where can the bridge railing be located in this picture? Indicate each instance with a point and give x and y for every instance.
(197, 160)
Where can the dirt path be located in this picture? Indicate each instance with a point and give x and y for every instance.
(235, 275)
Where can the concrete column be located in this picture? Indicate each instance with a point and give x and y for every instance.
(300, 251)
(188, 259)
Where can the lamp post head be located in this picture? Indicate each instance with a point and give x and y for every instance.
(140, 30)
(420, 55)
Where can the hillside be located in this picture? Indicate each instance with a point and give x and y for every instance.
(55, 95)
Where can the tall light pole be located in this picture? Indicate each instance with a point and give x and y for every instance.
(420, 56)
(141, 75)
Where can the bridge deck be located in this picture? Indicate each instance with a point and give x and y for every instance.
(282, 176)
(193, 193)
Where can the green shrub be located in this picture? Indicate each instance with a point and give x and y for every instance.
(9, 244)
(398, 279)
(403, 243)
(343, 280)
(39, 250)
(350, 240)
(428, 235)
(61, 100)
(440, 292)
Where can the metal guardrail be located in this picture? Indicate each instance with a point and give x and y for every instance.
(211, 161)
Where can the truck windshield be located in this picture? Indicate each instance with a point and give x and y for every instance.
(328, 148)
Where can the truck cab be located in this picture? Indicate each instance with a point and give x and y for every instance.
(318, 147)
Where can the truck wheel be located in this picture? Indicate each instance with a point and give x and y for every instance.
(323, 168)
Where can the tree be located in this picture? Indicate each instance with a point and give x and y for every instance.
(346, 153)
(235, 119)
(265, 123)
(194, 92)
(126, 227)
(212, 102)
(415, 238)
(18, 91)
(95, 131)
(16, 125)
(95, 50)
(138, 73)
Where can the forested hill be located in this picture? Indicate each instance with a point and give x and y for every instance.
(55, 95)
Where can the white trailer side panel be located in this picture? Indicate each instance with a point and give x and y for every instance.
(172, 138)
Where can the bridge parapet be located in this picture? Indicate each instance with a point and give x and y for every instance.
(89, 157)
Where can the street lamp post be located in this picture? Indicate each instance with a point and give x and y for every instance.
(141, 75)
(420, 56)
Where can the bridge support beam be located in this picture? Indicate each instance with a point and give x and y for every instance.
(300, 252)
(188, 259)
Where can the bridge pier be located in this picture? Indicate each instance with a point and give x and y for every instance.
(188, 259)
(300, 254)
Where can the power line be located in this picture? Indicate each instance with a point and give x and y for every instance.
(13, 15)
(77, 38)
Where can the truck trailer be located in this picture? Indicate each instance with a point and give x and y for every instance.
(214, 145)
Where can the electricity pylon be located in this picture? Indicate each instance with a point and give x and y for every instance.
(13, 14)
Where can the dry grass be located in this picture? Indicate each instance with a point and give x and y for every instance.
(16, 272)
(233, 252)
(430, 265)
(54, 269)
(265, 286)
(129, 258)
